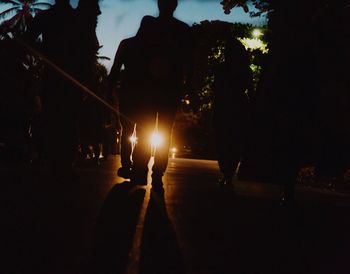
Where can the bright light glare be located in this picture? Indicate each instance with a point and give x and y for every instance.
(254, 44)
(133, 139)
(173, 151)
(156, 140)
(257, 33)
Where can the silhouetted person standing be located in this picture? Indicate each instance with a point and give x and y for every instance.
(232, 80)
(292, 92)
(333, 57)
(85, 50)
(157, 67)
(60, 99)
(169, 72)
(128, 75)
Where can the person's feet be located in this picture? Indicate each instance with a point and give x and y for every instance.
(139, 176)
(97, 161)
(225, 180)
(288, 198)
(157, 184)
(288, 202)
(124, 172)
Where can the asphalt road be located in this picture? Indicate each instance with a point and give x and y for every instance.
(97, 223)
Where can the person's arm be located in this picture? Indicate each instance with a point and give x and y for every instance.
(114, 76)
(115, 72)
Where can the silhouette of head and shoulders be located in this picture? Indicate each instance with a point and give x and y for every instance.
(166, 23)
(166, 10)
(232, 76)
(130, 58)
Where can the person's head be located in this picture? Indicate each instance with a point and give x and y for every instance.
(89, 7)
(167, 7)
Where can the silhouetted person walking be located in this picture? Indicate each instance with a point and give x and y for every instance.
(292, 92)
(85, 51)
(333, 57)
(128, 75)
(157, 66)
(169, 72)
(232, 79)
(60, 99)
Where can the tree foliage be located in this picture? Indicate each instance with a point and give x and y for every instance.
(210, 37)
(17, 17)
(195, 119)
(262, 6)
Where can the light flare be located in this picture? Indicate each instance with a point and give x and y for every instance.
(156, 140)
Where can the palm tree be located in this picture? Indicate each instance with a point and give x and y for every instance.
(18, 16)
(262, 6)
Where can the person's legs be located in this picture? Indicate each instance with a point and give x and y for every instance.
(161, 157)
(142, 152)
(287, 164)
(228, 151)
(97, 152)
(125, 149)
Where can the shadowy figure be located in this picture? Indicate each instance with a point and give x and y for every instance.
(114, 232)
(60, 99)
(160, 251)
(293, 92)
(170, 71)
(332, 159)
(163, 66)
(129, 77)
(85, 50)
(231, 119)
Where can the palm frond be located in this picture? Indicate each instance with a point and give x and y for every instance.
(8, 12)
(36, 10)
(42, 5)
(103, 58)
(13, 2)
(8, 25)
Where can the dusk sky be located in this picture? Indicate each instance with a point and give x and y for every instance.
(120, 18)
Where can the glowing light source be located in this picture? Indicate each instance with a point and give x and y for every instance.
(156, 140)
(254, 44)
(257, 33)
(173, 151)
(133, 139)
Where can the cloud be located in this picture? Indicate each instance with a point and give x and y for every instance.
(118, 19)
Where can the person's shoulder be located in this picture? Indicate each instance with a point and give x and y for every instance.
(127, 42)
(148, 18)
(181, 24)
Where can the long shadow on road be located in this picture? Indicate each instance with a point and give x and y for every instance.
(160, 252)
(115, 229)
(127, 241)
